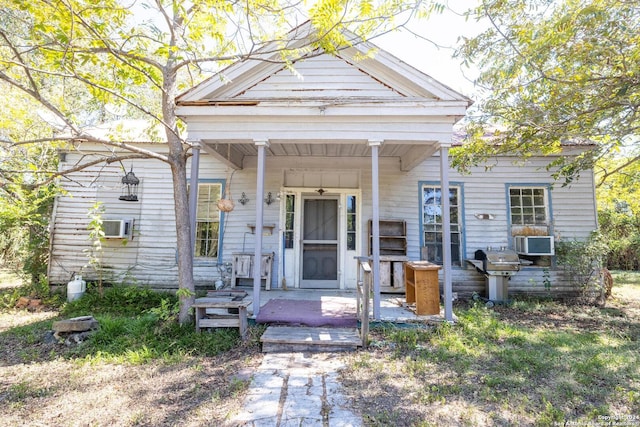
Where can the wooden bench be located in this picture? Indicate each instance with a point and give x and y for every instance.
(230, 320)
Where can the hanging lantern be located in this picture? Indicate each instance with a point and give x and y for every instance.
(226, 205)
(130, 187)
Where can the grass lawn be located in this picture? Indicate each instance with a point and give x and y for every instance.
(532, 363)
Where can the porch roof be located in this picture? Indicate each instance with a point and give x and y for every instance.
(322, 105)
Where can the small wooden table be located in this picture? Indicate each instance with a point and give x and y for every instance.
(421, 286)
(230, 320)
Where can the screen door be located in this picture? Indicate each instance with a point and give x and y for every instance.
(320, 244)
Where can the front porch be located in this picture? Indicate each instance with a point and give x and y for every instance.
(393, 307)
(322, 319)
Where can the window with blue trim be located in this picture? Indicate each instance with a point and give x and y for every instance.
(528, 206)
(432, 224)
(208, 220)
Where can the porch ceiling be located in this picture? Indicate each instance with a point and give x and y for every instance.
(233, 153)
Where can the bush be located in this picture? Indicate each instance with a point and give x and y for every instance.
(584, 261)
(621, 231)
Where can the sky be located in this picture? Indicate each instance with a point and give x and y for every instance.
(444, 30)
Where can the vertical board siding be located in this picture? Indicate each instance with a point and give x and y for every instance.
(149, 259)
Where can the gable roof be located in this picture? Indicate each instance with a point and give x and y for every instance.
(359, 72)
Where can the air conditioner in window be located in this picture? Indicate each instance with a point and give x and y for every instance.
(117, 228)
(534, 245)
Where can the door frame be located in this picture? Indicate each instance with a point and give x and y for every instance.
(347, 266)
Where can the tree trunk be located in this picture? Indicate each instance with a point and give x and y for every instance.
(178, 162)
(183, 234)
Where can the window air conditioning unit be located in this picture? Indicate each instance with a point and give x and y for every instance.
(117, 228)
(534, 245)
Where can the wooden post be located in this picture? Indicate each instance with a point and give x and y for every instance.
(375, 226)
(257, 278)
(446, 233)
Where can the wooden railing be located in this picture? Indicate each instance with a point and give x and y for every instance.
(363, 297)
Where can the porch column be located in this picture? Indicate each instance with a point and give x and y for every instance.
(446, 233)
(193, 191)
(375, 226)
(257, 257)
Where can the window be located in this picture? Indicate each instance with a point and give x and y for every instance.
(351, 223)
(528, 206)
(432, 223)
(290, 203)
(208, 220)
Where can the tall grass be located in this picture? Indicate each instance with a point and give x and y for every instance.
(137, 326)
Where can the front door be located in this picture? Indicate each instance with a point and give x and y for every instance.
(320, 243)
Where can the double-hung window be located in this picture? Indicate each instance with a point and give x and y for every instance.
(208, 220)
(431, 221)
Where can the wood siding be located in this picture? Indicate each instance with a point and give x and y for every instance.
(149, 258)
(320, 77)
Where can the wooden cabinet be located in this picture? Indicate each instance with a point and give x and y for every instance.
(421, 286)
(243, 264)
(393, 237)
(392, 273)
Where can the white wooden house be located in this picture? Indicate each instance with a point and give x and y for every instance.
(314, 160)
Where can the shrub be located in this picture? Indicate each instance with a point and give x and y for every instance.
(584, 261)
(621, 231)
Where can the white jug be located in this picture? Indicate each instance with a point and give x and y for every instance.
(76, 288)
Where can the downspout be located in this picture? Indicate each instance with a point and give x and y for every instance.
(257, 259)
(446, 233)
(375, 225)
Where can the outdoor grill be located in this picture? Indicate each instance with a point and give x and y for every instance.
(497, 266)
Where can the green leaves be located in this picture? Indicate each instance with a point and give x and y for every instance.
(557, 71)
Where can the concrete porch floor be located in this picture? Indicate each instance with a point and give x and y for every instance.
(393, 308)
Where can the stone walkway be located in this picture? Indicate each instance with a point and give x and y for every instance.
(297, 389)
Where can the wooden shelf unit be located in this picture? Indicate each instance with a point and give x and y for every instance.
(393, 237)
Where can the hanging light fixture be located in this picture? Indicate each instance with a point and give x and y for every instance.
(130, 187)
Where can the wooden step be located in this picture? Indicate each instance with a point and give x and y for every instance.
(279, 339)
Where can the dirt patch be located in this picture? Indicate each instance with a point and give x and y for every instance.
(195, 392)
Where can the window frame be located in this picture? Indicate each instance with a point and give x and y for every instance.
(548, 223)
(289, 228)
(221, 220)
(460, 223)
(351, 218)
